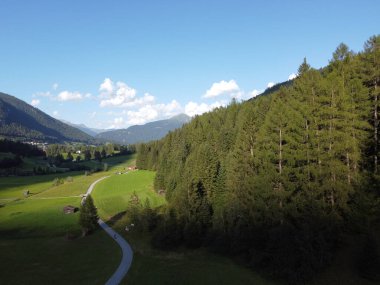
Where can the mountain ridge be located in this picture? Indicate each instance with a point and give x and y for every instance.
(144, 133)
(18, 119)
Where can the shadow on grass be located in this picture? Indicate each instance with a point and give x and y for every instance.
(114, 219)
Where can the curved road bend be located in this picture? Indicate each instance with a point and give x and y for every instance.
(127, 253)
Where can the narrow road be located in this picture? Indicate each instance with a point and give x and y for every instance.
(126, 249)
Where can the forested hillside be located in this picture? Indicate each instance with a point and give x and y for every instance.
(20, 120)
(281, 178)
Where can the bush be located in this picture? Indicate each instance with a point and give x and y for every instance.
(58, 181)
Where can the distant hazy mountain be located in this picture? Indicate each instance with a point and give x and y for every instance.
(21, 120)
(90, 131)
(144, 133)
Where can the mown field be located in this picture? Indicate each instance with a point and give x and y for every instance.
(113, 194)
(39, 244)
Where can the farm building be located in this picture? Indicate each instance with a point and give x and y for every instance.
(69, 209)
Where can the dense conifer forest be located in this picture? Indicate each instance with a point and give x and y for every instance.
(279, 180)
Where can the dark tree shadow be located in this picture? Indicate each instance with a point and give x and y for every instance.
(113, 220)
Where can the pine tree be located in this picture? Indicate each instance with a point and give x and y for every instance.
(88, 218)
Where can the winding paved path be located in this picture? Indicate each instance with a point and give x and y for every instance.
(126, 249)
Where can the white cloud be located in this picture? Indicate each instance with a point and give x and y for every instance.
(106, 87)
(55, 113)
(145, 114)
(147, 99)
(220, 88)
(69, 96)
(270, 84)
(292, 76)
(55, 86)
(171, 109)
(92, 115)
(254, 93)
(42, 94)
(192, 108)
(117, 95)
(142, 115)
(35, 102)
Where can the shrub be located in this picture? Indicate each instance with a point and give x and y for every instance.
(57, 181)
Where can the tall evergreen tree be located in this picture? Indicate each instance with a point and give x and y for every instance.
(88, 217)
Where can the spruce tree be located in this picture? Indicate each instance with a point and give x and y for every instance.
(88, 217)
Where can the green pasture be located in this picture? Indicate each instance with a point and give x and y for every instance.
(112, 195)
(114, 162)
(42, 243)
(13, 187)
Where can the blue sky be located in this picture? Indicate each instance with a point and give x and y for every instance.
(111, 64)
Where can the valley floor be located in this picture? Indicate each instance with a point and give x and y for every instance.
(41, 245)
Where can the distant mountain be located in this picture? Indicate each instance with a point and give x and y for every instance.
(21, 120)
(90, 131)
(144, 133)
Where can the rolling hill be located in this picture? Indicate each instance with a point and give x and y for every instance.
(144, 133)
(21, 120)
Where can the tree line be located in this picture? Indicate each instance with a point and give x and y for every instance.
(279, 179)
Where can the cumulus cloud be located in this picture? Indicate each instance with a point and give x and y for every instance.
(106, 87)
(118, 95)
(153, 112)
(142, 115)
(70, 96)
(270, 84)
(145, 114)
(35, 102)
(292, 76)
(221, 88)
(55, 86)
(193, 108)
(145, 100)
(254, 93)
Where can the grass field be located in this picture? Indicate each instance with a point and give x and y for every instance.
(33, 233)
(152, 266)
(113, 194)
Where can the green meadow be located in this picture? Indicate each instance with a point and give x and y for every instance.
(112, 195)
(41, 242)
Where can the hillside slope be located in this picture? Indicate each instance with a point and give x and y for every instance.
(144, 133)
(21, 120)
(283, 180)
